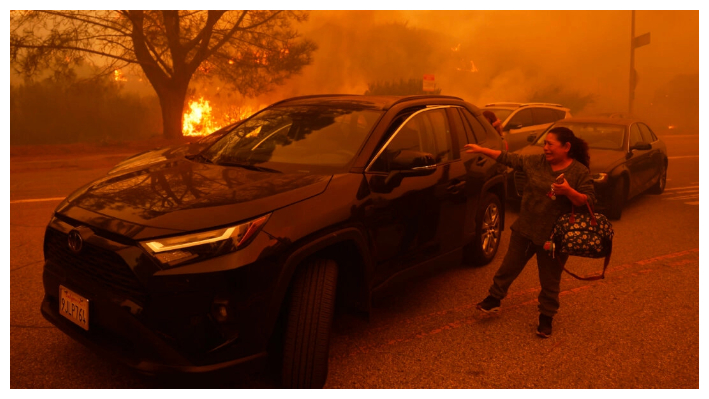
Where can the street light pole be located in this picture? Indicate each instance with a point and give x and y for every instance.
(635, 42)
(631, 92)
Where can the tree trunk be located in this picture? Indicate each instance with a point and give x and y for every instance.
(172, 102)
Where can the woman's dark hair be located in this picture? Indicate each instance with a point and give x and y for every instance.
(579, 148)
(490, 116)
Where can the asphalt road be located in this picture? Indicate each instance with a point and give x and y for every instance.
(638, 328)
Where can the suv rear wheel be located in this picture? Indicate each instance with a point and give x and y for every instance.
(488, 229)
(307, 337)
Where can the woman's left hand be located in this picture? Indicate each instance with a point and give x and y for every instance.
(563, 188)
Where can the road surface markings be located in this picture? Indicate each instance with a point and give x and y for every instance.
(680, 188)
(683, 194)
(37, 200)
(668, 260)
(684, 156)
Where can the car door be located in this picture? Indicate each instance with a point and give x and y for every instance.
(477, 166)
(656, 161)
(639, 163)
(518, 128)
(415, 219)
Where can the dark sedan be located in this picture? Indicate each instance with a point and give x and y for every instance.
(627, 159)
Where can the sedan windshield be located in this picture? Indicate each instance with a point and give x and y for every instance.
(303, 135)
(597, 135)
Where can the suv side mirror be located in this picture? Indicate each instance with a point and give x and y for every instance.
(413, 163)
(514, 126)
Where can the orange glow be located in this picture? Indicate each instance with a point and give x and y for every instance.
(199, 120)
(118, 76)
(670, 127)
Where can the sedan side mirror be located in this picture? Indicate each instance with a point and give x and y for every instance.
(641, 146)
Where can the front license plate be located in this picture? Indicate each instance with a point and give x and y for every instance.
(74, 307)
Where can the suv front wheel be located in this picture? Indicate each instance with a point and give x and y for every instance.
(488, 230)
(306, 343)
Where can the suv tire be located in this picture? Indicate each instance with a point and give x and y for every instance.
(488, 231)
(307, 337)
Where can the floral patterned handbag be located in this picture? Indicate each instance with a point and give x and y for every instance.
(589, 235)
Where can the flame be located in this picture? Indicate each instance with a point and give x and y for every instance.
(473, 68)
(199, 121)
(456, 48)
(671, 127)
(118, 76)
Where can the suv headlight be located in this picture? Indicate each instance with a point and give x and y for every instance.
(176, 250)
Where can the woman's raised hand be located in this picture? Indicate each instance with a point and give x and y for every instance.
(472, 148)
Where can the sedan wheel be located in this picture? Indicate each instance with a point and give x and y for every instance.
(617, 200)
(659, 187)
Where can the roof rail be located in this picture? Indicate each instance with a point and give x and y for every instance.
(547, 104)
(313, 96)
(504, 105)
(419, 96)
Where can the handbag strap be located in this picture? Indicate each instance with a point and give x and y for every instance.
(601, 276)
(572, 218)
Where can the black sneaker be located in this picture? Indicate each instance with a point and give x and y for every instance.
(489, 305)
(544, 328)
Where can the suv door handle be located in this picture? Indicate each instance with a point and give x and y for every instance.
(455, 187)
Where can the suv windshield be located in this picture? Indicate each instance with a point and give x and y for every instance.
(500, 113)
(303, 135)
(597, 135)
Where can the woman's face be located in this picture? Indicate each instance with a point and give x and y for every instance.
(555, 151)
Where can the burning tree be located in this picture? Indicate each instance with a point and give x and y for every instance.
(252, 51)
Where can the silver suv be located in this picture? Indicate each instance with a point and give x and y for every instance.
(520, 120)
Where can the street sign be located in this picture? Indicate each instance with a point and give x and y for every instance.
(429, 83)
(641, 40)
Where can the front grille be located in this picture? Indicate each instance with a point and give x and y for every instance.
(520, 182)
(100, 265)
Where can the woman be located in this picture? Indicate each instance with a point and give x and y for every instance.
(543, 202)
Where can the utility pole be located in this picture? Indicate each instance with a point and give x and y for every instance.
(634, 43)
(631, 92)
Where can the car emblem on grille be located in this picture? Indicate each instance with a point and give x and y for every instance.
(75, 241)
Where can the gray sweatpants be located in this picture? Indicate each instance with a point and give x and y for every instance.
(519, 252)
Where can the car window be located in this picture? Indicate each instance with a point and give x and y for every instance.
(300, 135)
(437, 124)
(646, 133)
(559, 114)
(500, 113)
(480, 131)
(596, 135)
(522, 118)
(464, 115)
(635, 136)
(426, 132)
(457, 124)
(543, 115)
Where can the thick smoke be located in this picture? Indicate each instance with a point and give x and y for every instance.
(487, 56)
